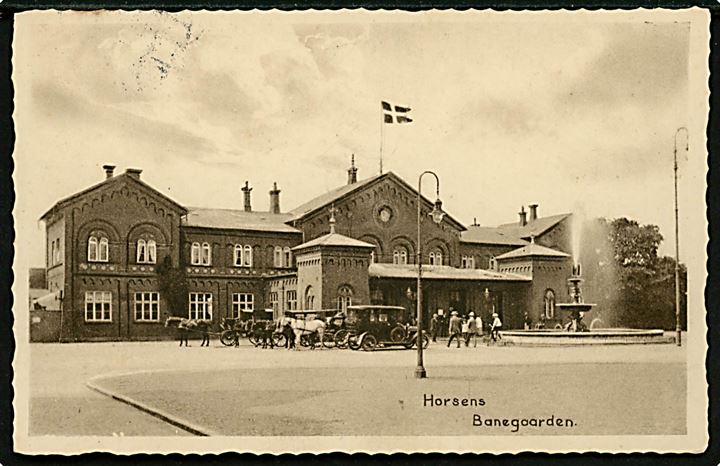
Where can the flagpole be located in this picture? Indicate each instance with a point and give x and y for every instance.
(382, 132)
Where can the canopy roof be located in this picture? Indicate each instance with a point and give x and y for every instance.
(441, 272)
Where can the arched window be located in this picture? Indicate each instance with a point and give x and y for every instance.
(238, 255)
(247, 256)
(287, 257)
(278, 257)
(435, 258)
(195, 254)
(400, 256)
(549, 303)
(493, 263)
(141, 256)
(151, 251)
(344, 297)
(92, 255)
(205, 255)
(309, 298)
(103, 250)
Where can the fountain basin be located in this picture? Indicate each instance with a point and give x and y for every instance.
(614, 336)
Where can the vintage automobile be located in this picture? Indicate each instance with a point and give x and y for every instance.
(373, 326)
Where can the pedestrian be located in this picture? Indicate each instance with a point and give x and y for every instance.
(465, 328)
(479, 325)
(455, 328)
(472, 330)
(527, 322)
(183, 330)
(495, 327)
(434, 322)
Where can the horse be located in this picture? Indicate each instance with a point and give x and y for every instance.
(263, 333)
(315, 327)
(185, 326)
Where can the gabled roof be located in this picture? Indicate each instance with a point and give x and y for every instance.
(532, 250)
(441, 272)
(489, 235)
(232, 219)
(337, 194)
(533, 228)
(107, 182)
(334, 239)
(329, 197)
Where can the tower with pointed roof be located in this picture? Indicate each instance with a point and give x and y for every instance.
(332, 270)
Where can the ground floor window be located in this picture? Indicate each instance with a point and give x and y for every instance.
(274, 301)
(242, 302)
(98, 306)
(147, 306)
(200, 306)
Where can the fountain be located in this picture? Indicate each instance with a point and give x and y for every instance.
(576, 309)
(575, 332)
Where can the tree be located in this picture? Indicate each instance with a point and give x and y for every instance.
(633, 286)
(173, 286)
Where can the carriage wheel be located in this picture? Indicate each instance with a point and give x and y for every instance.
(254, 339)
(369, 343)
(279, 339)
(341, 338)
(227, 338)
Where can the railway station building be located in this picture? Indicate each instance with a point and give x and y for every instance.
(115, 250)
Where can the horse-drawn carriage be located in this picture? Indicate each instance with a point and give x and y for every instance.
(313, 327)
(373, 326)
(257, 331)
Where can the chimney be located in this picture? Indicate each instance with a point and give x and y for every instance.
(109, 170)
(523, 216)
(133, 173)
(275, 199)
(352, 171)
(533, 211)
(246, 197)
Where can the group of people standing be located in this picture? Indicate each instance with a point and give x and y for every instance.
(463, 328)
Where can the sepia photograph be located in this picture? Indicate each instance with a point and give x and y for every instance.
(356, 231)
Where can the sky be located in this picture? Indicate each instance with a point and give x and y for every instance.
(508, 110)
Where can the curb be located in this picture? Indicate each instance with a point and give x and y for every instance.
(157, 413)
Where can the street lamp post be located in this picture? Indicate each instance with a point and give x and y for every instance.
(678, 329)
(437, 215)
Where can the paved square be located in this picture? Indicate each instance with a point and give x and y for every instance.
(249, 391)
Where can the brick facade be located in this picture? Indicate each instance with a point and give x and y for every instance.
(114, 293)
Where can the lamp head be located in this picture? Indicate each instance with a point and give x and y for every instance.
(437, 214)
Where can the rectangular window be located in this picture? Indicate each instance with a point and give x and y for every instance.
(291, 300)
(147, 306)
(274, 301)
(200, 306)
(98, 306)
(242, 302)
